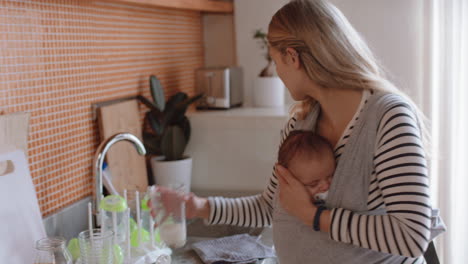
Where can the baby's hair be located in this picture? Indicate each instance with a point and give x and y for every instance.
(303, 142)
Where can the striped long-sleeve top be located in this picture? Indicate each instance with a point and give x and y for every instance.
(399, 183)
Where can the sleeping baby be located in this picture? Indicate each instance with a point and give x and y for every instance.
(309, 157)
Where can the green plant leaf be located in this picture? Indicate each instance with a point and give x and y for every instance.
(154, 123)
(175, 100)
(149, 104)
(167, 132)
(184, 124)
(152, 143)
(186, 128)
(173, 143)
(262, 40)
(157, 92)
(172, 111)
(179, 112)
(260, 34)
(193, 99)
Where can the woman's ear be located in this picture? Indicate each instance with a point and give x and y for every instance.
(293, 57)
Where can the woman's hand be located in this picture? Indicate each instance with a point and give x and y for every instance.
(197, 207)
(169, 199)
(294, 197)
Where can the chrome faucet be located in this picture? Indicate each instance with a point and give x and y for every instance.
(99, 160)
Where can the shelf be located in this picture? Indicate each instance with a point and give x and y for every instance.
(243, 112)
(211, 6)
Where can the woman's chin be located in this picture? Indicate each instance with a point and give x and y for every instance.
(298, 98)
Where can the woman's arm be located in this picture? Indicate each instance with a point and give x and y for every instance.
(252, 211)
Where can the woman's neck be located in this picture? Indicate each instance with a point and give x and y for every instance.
(338, 106)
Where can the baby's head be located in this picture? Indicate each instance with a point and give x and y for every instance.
(309, 157)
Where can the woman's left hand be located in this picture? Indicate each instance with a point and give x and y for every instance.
(294, 197)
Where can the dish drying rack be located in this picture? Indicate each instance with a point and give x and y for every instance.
(134, 246)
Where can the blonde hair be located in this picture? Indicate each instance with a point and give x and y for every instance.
(331, 52)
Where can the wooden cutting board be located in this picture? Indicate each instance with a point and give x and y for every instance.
(127, 167)
(14, 131)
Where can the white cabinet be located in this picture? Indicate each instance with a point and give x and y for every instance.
(234, 150)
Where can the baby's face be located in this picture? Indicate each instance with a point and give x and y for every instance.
(315, 174)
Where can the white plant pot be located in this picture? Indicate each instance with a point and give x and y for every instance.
(172, 173)
(268, 92)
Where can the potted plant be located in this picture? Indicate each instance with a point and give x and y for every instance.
(268, 88)
(166, 133)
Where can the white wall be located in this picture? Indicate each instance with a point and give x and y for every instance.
(249, 16)
(392, 28)
(235, 153)
(394, 31)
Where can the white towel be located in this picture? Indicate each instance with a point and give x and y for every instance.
(239, 249)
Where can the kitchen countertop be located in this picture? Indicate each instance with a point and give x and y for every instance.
(197, 231)
(70, 221)
(187, 255)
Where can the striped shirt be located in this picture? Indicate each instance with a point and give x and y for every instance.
(398, 183)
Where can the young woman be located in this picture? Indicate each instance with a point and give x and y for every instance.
(378, 209)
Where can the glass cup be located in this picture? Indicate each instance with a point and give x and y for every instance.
(168, 205)
(96, 248)
(52, 250)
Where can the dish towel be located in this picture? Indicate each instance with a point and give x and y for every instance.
(239, 249)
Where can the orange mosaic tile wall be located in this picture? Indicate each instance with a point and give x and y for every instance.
(58, 57)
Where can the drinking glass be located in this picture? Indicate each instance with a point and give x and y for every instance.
(52, 250)
(169, 207)
(96, 248)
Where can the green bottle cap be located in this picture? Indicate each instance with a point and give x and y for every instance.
(118, 254)
(113, 203)
(133, 225)
(74, 248)
(145, 237)
(144, 204)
